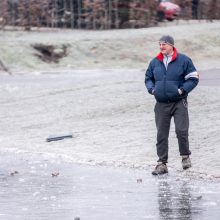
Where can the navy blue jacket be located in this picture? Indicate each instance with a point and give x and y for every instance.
(164, 83)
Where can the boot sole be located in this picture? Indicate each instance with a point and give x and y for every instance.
(185, 168)
(156, 174)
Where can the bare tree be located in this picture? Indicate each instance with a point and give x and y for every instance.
(96, 14)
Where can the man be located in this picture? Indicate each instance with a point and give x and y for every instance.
(170, 77)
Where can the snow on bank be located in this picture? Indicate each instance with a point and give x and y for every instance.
(110, 49)
(110, 115)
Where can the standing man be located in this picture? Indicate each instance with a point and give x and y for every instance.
(170, 77)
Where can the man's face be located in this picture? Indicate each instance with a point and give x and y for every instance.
(165, 49)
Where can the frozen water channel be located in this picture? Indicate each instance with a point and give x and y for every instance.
(104, 171)
(35, 188)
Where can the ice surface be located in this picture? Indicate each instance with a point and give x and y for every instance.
(97, 192)
(108, 110)
(111, 116)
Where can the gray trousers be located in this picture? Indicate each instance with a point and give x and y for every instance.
(163, 114)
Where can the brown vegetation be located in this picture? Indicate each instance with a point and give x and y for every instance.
(96, 14)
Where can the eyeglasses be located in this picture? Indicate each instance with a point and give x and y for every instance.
(163, 44)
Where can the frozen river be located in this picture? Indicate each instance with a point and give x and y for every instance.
(104, 171)
(29, 191)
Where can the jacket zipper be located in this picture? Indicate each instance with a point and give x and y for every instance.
(165, 80)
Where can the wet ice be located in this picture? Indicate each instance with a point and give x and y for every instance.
(97, 192)
(113, 120)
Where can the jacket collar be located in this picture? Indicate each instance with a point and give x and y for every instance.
(160, 55)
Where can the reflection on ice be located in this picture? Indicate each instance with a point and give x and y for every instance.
(176, 203)
(187, 199)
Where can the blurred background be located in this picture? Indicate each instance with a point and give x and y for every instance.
(102, 14)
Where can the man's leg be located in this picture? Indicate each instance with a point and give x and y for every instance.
(181, 120)
(162, 119)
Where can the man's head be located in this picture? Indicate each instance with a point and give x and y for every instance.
(166, 44)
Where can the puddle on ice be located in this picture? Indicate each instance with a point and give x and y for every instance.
(94, 192)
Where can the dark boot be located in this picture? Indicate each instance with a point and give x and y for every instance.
(186, 162)
(160, 169)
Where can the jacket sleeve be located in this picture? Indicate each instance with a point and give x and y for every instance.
(191, 76)
(149, 79)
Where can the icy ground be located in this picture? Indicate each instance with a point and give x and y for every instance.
(111, 118)
(110, 115)
(29, 191)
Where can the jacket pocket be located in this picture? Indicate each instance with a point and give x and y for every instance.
(172, 89)
(159, 90)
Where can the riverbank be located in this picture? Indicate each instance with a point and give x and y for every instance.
(110, 49)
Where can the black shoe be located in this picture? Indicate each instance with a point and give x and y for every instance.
(186, 162)
(160, 169)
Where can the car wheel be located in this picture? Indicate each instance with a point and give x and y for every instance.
(170, 19)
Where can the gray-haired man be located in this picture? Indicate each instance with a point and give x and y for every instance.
(170, 77)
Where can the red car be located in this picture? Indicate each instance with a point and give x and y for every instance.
(167, 10)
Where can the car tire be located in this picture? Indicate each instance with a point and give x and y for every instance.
(170, 19)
